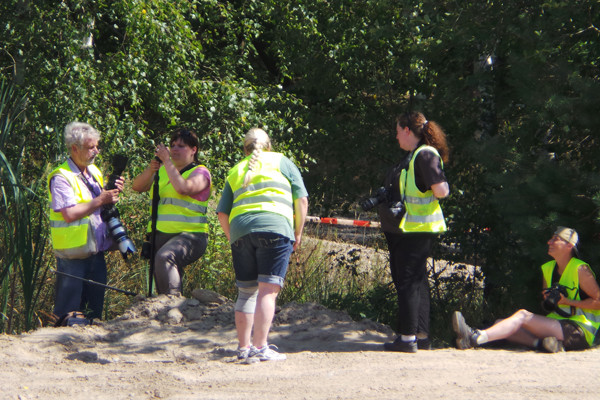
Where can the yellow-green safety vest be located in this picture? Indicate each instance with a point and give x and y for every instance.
(269, 190)
(423, 211)
(588, 320)
(178, 213)
(75, 239)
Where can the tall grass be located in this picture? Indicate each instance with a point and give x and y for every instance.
(22, 222)
(341, 276)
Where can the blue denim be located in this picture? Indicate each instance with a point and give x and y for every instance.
(75, 295)
(262, 257)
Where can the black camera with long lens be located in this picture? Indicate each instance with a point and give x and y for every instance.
(550, 302)
(383, 196)
(110, 213)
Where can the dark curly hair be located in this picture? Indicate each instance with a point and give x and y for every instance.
(429, 131)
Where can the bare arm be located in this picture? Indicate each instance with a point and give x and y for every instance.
(224, 221)
(300, 211)
(440, 190)
(186, 187)
(143, 182)
(587, 283)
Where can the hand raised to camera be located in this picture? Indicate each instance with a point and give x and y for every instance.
(163, 153)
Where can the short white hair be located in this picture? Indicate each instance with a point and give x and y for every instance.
(76, 133)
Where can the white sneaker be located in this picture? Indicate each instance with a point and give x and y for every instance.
(266, 353)
(242, 354)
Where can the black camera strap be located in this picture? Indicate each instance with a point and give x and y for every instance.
(555, 276)
(556, 279)
(153, 218)
(93, 191)
(555, 283)
(187, 168)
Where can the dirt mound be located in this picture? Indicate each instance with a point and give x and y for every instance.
(171, 347)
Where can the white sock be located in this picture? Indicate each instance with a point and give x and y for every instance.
(408, 338)
(482, 338)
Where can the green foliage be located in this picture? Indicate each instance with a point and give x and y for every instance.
(214, 271)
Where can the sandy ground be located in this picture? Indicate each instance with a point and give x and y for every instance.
(178, 348)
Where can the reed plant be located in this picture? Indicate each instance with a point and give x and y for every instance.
(23, 261)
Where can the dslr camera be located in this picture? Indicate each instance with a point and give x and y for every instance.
(110, 213)
(383, 196)
(550, 303)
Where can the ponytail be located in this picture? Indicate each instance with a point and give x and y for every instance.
(251, 165)
(428, 131)
(254, 142)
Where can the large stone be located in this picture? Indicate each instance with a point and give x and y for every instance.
(206, 296)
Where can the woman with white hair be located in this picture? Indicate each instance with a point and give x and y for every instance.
(262, 211)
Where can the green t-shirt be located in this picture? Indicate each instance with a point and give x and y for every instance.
(264, 221)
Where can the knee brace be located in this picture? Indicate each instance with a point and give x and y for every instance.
(246, 301)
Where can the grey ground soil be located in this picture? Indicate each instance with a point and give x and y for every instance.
(178, 348)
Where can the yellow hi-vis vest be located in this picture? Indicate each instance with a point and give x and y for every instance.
(75, 239)
(588, 320)
(423, 211)
(178, 213)
(269, 190)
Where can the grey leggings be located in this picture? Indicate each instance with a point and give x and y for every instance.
(175, 251)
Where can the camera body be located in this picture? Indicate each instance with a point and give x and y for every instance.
(550, 303)
(382, 196)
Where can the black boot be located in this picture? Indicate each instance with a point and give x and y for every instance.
(400, 345)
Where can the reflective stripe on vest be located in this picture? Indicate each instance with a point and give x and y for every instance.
(588, 320)
(70, 239)
(178, 213)
(423, 210)
(269, 190)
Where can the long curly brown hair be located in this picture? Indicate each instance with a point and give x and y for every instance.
(429, 131)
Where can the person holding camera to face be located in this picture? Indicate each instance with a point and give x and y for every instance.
(184, 186)
(80, 235)
(571, 296)
(411, 218)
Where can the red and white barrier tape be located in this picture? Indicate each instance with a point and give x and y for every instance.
(343, 221)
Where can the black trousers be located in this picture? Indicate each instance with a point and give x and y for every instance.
(408, 263)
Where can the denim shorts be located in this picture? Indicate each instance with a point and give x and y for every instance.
(262, 257)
